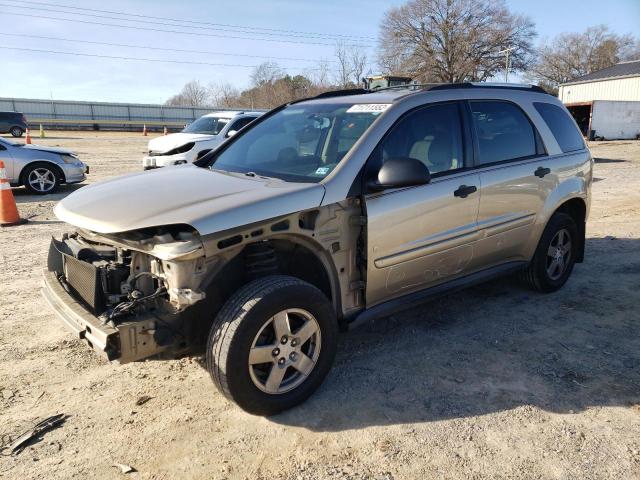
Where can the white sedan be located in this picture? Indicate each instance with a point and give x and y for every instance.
(39, 168)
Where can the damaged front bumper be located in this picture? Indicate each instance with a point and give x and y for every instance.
(126, 342)
(75, 291)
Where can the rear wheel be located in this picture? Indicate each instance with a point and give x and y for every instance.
(16, 131)
(272, 344)
(555, 256)
(41, 178)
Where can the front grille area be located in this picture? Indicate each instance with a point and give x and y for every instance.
(81, 277)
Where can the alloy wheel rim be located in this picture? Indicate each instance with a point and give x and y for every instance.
(285, 351)
(558, 254)
(42, 179)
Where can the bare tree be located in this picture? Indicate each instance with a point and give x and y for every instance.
(358, 59)
(453, 40)
(571, 55)
(267, 72)
(343, 71)
(224, 95)
(632, 52)
(193, 94)
(319, 75)
(351, 62)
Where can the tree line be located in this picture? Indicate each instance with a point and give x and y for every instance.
(433, 41)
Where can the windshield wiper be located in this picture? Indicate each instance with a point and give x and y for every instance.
(244, 174)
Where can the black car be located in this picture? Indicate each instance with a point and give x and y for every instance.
(14, 123)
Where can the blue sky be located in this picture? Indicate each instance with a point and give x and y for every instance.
(34, 74)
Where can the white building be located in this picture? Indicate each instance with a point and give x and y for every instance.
(606, 103)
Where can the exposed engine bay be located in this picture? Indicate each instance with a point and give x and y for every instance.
(139, 290)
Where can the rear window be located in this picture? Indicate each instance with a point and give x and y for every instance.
(562, 126)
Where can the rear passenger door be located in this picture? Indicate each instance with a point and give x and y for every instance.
(421, 236)
(513, 166)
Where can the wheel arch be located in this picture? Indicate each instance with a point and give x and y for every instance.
(296, 256)
(49, 163)
(576, 208)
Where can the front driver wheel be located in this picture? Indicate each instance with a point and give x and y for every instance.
(272, 344)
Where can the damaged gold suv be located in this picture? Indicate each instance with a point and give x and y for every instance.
(323, 214)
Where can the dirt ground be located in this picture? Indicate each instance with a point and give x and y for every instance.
(494, 382)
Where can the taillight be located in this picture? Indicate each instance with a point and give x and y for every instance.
(24, 119)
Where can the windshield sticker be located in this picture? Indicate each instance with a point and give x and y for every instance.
(323, 170)
(368, 108)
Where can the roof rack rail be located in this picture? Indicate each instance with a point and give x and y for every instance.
(340, 93)
(502, 86)
(406, 86)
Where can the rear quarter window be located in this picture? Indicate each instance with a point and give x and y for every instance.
(562, 127)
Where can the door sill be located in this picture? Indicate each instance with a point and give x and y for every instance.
(411, 300)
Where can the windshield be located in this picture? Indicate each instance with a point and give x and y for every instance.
(207, 125)
(301, 143)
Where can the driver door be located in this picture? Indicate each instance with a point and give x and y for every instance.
(420, 236)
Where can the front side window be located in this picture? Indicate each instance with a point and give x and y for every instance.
(303, 142)
(206, 125)
(431, 134)
(503, 130)
(562, 127)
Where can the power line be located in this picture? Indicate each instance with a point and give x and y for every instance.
(163, 49)
(305, 33)
(161, 23)
(118, 57)
(198, 34)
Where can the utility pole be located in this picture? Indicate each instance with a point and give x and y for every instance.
(506, 52)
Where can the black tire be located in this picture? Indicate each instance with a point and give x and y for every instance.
(537, 274)
(16, 131)
(239, 322)
(53, 174)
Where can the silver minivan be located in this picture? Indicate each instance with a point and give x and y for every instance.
(326, 213)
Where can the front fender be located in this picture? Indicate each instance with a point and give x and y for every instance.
(39, 159)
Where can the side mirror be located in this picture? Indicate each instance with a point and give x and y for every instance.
(401, 172)
(231, 133)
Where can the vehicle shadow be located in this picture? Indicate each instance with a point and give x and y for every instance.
(22, 195)
(492, 348)
(608, 160)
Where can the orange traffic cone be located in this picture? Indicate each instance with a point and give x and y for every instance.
(165, 130)
(8, 211)
(144, 130)
(27, 139)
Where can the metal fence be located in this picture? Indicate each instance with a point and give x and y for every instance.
(102, 115)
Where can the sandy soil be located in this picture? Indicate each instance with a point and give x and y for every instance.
(495, 381)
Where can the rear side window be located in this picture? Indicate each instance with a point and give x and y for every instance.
(504, 132)
(242, 122)
(562, 126)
